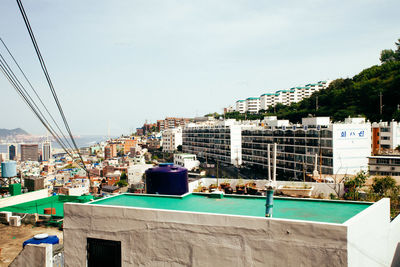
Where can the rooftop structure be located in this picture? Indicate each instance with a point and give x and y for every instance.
(196, 230)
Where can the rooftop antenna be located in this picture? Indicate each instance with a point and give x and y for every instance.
(108, 130)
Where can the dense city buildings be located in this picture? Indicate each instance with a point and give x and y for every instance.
(110, 151)
(29, 152)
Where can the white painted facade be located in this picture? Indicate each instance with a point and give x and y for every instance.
(135, 172)
(241, 106)
(220, 141)
(188, 161)
(252, 104)
(171, 139)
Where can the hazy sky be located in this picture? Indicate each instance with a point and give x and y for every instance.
(121, 62)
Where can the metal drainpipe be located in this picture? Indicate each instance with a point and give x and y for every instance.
(270, 202)
(270, 189)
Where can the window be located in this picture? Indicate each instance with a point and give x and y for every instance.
(102, 252)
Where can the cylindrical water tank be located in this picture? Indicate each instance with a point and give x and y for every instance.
(9, 169)
(167, 179)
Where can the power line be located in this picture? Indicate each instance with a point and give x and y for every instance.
(7, 74)
(44, 68)
(35, 92)
(31, 99)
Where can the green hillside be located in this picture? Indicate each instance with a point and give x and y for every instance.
(358, 96)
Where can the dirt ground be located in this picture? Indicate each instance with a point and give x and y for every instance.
(11, 239)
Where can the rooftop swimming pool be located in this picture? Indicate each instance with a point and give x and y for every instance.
(284, 208)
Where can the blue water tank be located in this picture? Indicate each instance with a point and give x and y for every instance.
(9, 169)
(167, 179)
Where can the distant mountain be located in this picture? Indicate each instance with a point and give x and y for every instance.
(12, 132)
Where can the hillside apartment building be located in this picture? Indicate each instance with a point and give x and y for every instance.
(285, 97)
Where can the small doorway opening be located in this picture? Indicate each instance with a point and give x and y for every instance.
(101, 252)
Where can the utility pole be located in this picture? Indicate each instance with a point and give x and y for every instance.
(316, 103)
(380, 103)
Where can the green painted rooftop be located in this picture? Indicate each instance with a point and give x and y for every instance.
(38, 206)
(284, 208)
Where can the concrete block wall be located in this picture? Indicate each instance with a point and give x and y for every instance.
(174, 238)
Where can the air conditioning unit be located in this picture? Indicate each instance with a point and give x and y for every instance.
(377, 168)
(15, 220)
(5, 216)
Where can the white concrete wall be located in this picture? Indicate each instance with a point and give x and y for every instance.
(173, 238)
(236, 145)
(14, 200)
(351, 147)
(368, 235)
(394, 242)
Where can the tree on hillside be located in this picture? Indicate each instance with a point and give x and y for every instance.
(388, 55)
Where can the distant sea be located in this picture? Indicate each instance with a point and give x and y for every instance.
(85, 140)
(81, 141)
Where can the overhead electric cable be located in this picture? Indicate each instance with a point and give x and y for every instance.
(35, 92)
(22, 88)
(6, 72)
(44, 68)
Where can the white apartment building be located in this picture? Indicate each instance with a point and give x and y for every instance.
(385, 136)
(252, 104)
(267, 100)
(171, 139)
(292, 95)
(384, 165)
(188, 161)
(241, 106)
(218, 142)
(335, 148)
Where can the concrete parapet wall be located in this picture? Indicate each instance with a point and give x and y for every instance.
(34, 256)
(322, 190)
(14, 200)
(152, 237)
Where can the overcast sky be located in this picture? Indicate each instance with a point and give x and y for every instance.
(122, 62)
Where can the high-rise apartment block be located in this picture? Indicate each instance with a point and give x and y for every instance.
(12, 152)
(46, 151)
(29, 152)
